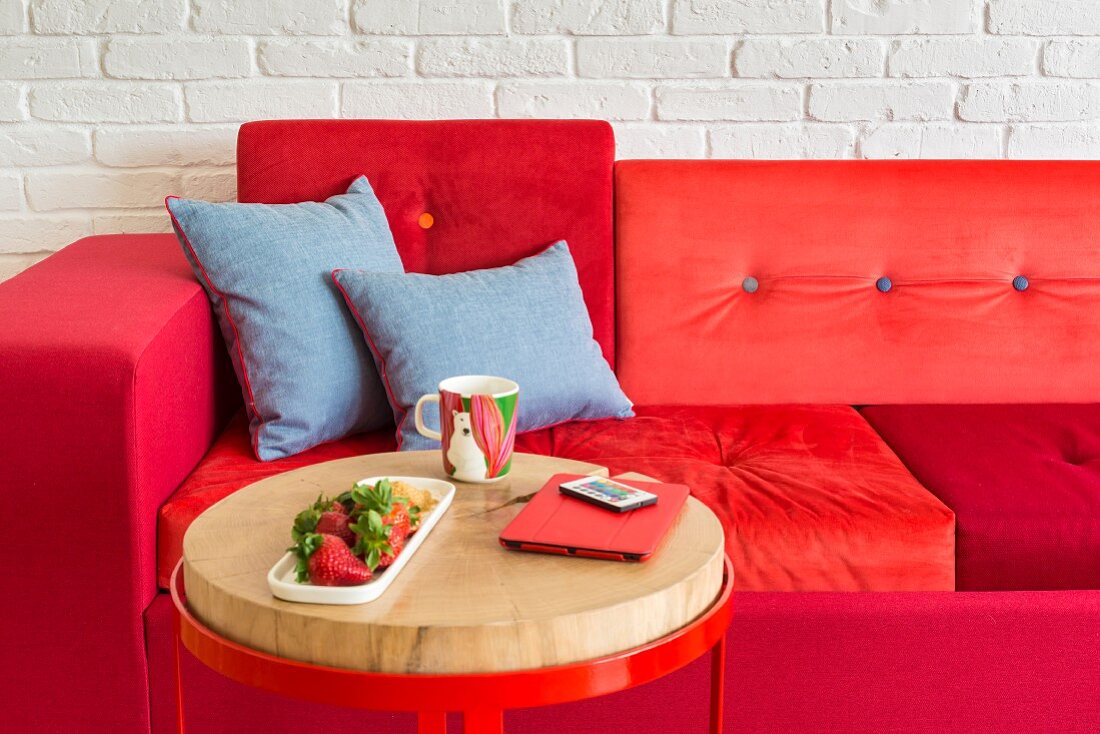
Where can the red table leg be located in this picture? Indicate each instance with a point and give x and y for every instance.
(179, 680)
(717, 684)
(483, 721)
(431, 722)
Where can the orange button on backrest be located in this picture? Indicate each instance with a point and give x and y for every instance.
(425, 221)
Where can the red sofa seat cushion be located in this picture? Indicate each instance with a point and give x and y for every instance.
(810, 497)
(1023, 480)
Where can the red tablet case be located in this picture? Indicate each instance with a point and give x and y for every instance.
(556, 523)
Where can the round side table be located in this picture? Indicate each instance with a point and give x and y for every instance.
(467, 626)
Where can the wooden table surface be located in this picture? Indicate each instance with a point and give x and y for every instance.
(462, 604)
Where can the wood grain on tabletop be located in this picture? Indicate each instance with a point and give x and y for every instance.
(462, 604)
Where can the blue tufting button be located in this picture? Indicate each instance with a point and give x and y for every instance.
(750, 285)
(1020, 283)
(884, 284)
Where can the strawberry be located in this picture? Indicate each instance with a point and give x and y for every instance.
(325, 504)
(380, 498)
(328, 505)
(383, 523)
(338, 524)
(373, 540)
(325, 560)
(398, 519)
(344, 500)
(324, 516)
(397, 538)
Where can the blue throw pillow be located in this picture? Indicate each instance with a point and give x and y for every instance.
(305, 374)
(526, 322)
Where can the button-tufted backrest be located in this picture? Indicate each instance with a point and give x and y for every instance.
(858, 281)
(460, 194)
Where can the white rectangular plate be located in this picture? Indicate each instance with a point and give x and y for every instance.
(280, 579)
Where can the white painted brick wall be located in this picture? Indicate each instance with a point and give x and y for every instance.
(1072, 58)
(48, 58)
(49, 190)
(643, 140)
(963, 57)
(11, 193)
(254, 99)
(603, 100)
(1044, 17)
(266, 17)
(338, 57)
(418, 100)
(645, 58)
(108, 105)
(877, 100)
(1030, 101)
(896, 17)
(492, 57)
(12, 19)
(588, 18)
(26, 146)
(809, 58)
(133, 146)
(176, 57)
(107, 16)
(902, 140)
(781, 141)
(429, 17)
(96, 101)
(743, 101)
(746, 16)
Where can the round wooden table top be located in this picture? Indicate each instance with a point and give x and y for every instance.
(463, 603)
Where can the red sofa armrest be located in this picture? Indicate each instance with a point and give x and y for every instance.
(113, 382)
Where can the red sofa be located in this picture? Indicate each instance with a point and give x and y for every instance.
(746, 307)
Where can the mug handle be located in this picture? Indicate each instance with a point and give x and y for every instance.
(418, 416)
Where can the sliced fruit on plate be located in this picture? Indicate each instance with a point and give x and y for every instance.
(325, 560)
(420, 501)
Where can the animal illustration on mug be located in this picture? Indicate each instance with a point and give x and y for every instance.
(463, 453)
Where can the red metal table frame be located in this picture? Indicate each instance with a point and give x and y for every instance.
(492, 692)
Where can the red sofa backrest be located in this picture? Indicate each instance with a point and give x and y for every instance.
(496, 190)
(817, 235)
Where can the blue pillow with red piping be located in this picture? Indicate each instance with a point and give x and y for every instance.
(305, 373)
(526, 322)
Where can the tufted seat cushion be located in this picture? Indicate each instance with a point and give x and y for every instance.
(810, 497)
(1023, 480)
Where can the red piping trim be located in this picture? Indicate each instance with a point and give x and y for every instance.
(394, 405)
(232, 324)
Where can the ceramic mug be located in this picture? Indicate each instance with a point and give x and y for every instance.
(477, 415)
